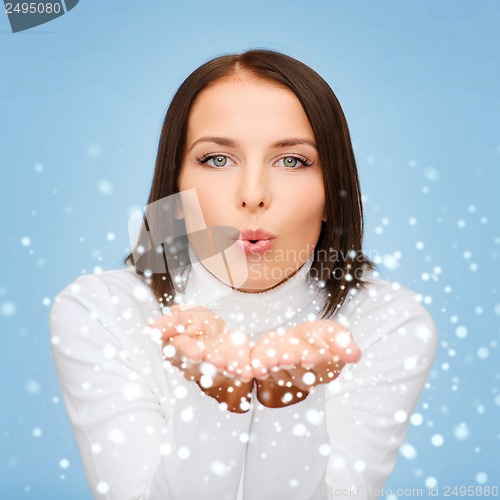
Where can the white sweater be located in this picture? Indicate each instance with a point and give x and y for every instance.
(144, 432)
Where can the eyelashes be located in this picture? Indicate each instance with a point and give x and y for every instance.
(205, 159)
(306, 162)
(303, 160)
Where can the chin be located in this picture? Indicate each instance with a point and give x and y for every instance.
(255, 287)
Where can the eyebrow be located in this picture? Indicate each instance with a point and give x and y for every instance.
(283, 143)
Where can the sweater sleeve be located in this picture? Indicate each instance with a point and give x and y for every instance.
(368, 409)
(137, 440)
(341, 442)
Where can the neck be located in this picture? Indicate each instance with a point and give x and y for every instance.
(250, 311)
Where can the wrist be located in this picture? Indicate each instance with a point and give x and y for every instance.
(236, 396)
(273, 395)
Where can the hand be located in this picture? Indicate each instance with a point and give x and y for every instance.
(207, 351)
(287, 364)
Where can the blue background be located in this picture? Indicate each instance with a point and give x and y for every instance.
(82, 100)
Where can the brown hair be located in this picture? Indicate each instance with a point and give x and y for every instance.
(339, 263)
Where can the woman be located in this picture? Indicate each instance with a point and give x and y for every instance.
(248, 350)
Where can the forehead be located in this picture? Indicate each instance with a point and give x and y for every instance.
(247, 106)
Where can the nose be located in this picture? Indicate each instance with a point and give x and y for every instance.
(254, 189)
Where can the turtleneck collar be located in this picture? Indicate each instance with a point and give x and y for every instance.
(251, 313)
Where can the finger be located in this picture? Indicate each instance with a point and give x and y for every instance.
(315, 357)
(188, 368)
(277, 352)
(204, 373)
(344, 349)
(169, 324)
(220, 351)
(315, 340)
(301, 352)
(246, 374)
(238, 361)
(340, 341)
(281, 377)
(176, 317)
(214, 355)
(312, 342)
(291, 352)
(263, 358)
(241, 372)
(188, 347)
(259, 370)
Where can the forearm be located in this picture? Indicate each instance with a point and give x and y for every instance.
(204, 450)
(235, 395)
(149, 436)
(288, 449)
(273, 395)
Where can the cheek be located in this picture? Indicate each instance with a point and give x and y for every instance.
(209, 197)
(308, 203)
(212, 207)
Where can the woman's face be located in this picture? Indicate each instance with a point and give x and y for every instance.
(251, 157)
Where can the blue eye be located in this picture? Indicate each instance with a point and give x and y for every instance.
(290, 162)
(218, 161)
(293, 162)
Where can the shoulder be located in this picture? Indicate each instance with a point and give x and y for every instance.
(378, 297)
(381, 308)
(110, 297)
(95, 310)
(105, 287)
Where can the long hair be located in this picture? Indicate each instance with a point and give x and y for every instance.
(339, 264)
